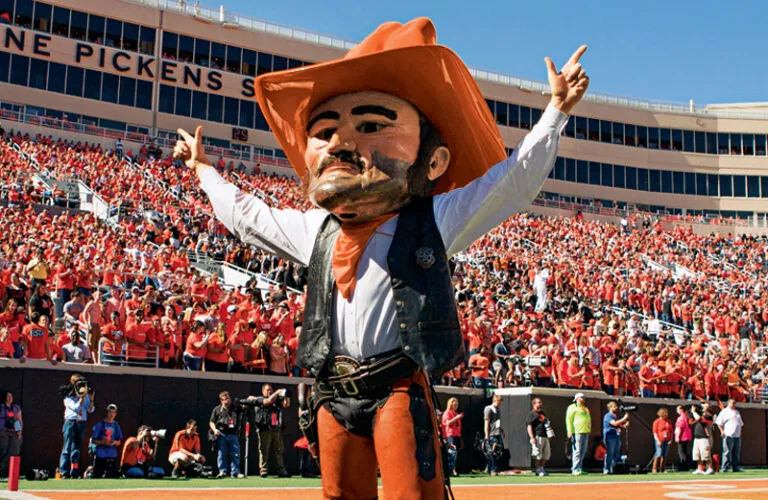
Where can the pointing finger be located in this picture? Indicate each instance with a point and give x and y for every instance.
(185, 134)
(199, 133)
(577, 55)
(551, 69)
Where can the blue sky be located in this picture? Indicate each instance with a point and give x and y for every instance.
(706, 50)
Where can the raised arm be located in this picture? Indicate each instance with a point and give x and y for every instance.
(287, 233)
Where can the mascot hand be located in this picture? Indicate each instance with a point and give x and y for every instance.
(568, 85)
(190, 149)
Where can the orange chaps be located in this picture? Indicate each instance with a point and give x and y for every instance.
(405, 447)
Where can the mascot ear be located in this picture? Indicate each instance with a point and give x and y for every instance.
(438, 163)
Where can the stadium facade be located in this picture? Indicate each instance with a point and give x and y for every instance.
(139, 69)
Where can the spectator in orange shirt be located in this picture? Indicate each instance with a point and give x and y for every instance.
(217, 354)
(197, 343)
(185, 451)
(662, 436)
(112, 342)
(239, 343)
(479, 363)
(36, 338)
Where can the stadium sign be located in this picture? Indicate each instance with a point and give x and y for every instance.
(142, 66)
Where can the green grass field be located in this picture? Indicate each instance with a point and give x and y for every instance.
(298, 482)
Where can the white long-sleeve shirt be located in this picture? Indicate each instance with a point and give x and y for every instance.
(366, 325)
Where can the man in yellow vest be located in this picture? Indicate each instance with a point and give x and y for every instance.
(578, 425)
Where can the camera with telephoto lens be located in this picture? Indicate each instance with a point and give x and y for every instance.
(158, 434)
(628, 408)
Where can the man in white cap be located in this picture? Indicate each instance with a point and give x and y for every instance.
(578, 425)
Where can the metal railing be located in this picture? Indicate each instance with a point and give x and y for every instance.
(126, 354)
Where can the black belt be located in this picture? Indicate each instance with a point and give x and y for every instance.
(351, 378)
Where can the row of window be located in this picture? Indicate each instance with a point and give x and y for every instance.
(657, 209)
(211, 107)
(593, 129)
(224, 57)
(75, 81)
(78, 25)
(659, 181)
(74, 118)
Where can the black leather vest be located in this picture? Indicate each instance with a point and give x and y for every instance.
(427, 320)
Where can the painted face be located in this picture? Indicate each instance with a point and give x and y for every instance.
(360, 147)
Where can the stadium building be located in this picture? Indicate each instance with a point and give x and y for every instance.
(138, 70)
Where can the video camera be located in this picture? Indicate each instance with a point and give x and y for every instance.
(628, 408)
(78, 386)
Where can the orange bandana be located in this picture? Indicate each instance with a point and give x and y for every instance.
(349, 247)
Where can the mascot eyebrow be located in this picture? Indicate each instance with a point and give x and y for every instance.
(367, 109)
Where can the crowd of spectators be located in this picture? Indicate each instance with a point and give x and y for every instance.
(631, 308)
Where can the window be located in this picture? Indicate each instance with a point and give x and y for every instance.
(642, 179)
(234, 54)
(535, 115)
(581, 127)
(726, 188)
(215, 108)
(491, 105)
(606, 131)
(607, 175)
(501, 113)
(722, 144)
(264, 63)
(593, 127)
(525, 117)
(19, 69)
(642, 137)
(655, 181)
(666, 181)
(711, 143)
(712, 188)
(127, 96)
(618, 176)
(249, 62)
(279, 63)
(202, 54)
(735, 144)
(23, 13)
(109, 84)
(199, 105)
(631, 177)
(261, 122)
(666, 139)
(678, 182)
(246, 113)
(701, 184)
(764, 183)
(760, 145)
(570, 170)
(653, 138)
(570, 128)
(96, 29)
(618, 133)
(218, 55)
(183, 101)
(677, 139)
(739, 186)
(143, 94)
(753, 186)
(582, 172)
(75, 78)
(43, 14)
(186, 49)
(78, 25)
(92, 88)
(38, 73)
(170, 45)
(690, 183)
(748, 146)
(56, 77)
(166, 99)
(294, 63)
(231, 108)
(700, 142)
(60, 21)
(131, 36)
(594, 173)
(147, 40)
(560, 168)
(629, 135)
(114, 36)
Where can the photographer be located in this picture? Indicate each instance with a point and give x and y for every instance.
(78, 403)
(225, 425)
(139, 454)
(269, 424)
(11, 425)
(185, 450)
(107, 436)
(612, 426)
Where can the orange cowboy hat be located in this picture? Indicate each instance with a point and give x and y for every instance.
(399, 59)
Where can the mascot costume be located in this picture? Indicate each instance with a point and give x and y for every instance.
(395, 145)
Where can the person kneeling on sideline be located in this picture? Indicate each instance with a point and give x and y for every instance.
(185, 450)
(139, 454)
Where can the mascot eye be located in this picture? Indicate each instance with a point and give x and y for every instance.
(370, 127)
(325, 134)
